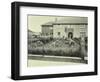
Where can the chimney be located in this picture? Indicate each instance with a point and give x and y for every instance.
(55, 19)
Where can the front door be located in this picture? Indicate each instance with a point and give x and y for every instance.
(70, 35)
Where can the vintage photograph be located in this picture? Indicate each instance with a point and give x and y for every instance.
(53, 40)
(57, 40)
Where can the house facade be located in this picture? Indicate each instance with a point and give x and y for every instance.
(77, 26)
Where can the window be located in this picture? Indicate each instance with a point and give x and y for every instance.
(83, 34)
(58, 33)
(51, 33)
(65, 29)
(46, 34)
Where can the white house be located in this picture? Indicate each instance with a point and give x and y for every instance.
(76, 26)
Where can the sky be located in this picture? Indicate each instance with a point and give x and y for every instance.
(35, 22)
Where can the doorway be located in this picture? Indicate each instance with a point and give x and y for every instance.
(70, 35)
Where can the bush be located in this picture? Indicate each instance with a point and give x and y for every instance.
(55, 52)
(55, 48)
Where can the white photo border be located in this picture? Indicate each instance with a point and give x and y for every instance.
(24, 70)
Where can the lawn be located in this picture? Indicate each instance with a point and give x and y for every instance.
(39, 63)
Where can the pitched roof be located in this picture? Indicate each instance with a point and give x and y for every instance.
(48, 23)
(33, 33)
(73, 20)
(69, 20)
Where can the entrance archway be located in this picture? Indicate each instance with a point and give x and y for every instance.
(70, 35)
